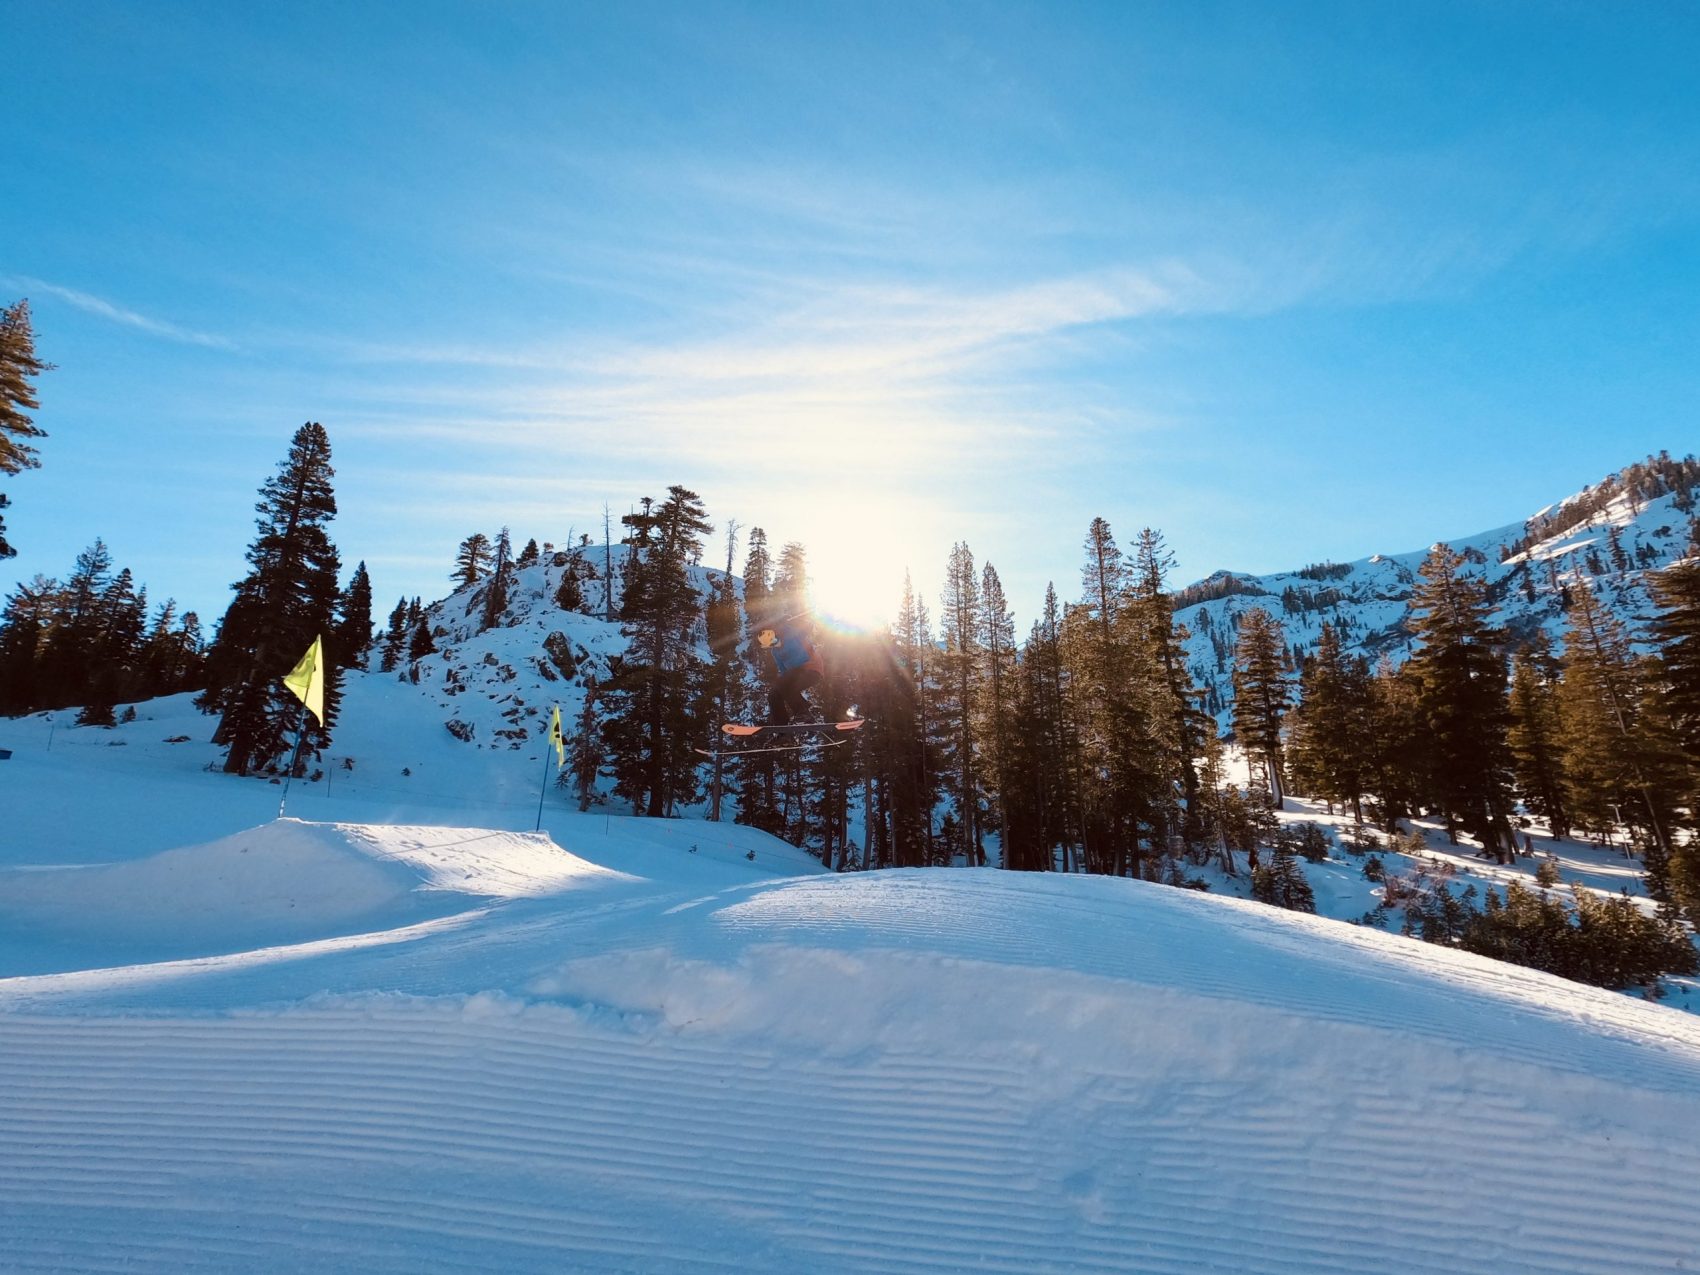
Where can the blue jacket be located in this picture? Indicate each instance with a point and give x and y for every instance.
(792, 650)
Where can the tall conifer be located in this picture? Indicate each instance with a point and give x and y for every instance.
(287, 599)
(19, 367)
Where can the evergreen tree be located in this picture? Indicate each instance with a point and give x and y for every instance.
(584, 758)
(172, 654)
(1675, 688)
(1261, 694)
(354, 629)
(24, 625)
(287, 600)
(790, 595)
(903, 713)
(1676, 628)
(998, 726)
(472, 560)
(1614, 765)
(1049, 747)
(758, 580)
(1332, 728)
(19, 367)
(1283, 883)
(1397, 757)
(75, 631)
(1535, 736)
(420, 644)
(722, 686)
(395, 637)
(1461, 680)
(1177, 725)
(1110, 674)
(528, 556)
(960, 659)
(649, 723)
(496, 592)
(569, 594)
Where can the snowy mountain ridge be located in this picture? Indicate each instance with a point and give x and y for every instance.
(1614, 535)
(493, 689)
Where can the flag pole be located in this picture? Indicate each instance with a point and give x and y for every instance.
(542, 788)
(294, 757)
(552, 740)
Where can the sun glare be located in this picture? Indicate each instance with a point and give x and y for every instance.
(856, 578)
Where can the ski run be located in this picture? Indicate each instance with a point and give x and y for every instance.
(376, 1041)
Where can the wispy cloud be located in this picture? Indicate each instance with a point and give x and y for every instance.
(99, 306)
(890, 386)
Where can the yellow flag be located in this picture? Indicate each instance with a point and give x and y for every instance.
(307, 680)
(556, 738)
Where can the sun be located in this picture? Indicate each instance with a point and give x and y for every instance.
(856, 577)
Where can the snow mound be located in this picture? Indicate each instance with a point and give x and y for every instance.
(283, 882)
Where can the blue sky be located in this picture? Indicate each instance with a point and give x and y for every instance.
(1289, 282)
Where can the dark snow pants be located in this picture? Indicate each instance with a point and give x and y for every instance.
(785, 701)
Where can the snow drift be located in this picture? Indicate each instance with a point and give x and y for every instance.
(286, 881)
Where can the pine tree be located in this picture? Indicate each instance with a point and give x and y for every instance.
(999, 701)
(1283, 884)
(649, 723)
(1676, 628)
(722, 686)
(912, 783)
(1614, 765)
(24, 625)
(287, 600)
(172, 656)
(528, 556)
(1110, 673)
(584, 758)
(395, 637)
(1261, 694)
(1397, 757)
(1332, 730)
(960, 615)
(1461, 678)
(354, 629)
(472, 560)
(1048, 744)
(74, 633)
(19, 367)
(496, 592)
(1674, 693)
(1535, 736)
(569, 594)
(1177, 725)
(790, 595)
(758, 580)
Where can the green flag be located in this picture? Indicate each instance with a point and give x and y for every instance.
(307, 680)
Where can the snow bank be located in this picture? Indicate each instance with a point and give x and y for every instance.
(286, 881)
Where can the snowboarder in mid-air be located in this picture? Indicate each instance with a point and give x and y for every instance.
(799, 666)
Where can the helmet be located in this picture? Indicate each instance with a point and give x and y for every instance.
(767, 637)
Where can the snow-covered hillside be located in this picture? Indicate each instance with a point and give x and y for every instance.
(649, 1059)
(1611, 535)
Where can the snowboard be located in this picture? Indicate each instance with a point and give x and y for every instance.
(739, 730)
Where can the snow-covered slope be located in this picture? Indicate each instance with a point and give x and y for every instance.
(898, 1071)
(282, 882)
(1526, 566)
